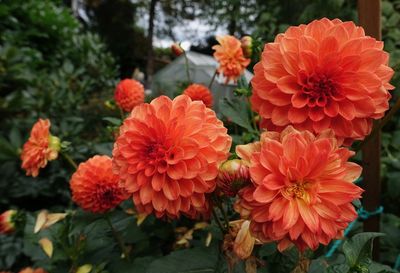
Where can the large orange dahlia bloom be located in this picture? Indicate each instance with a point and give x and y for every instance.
(168, 153)
(326, 74)
(40, 148)
(95, 187)
(199, 92)
(302, 189)
(230, 56)
(128, 94)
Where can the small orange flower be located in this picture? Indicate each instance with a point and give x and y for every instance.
(229, 54)
(7, 222)
(302, 189)
(232, 176)
(95, 187)
(31, 270)
(199, 92)
(40, 148)
(176, 49)
(327, 74)
(128, 94)
(167, 155)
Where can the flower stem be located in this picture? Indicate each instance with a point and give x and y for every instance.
(221, 227)
(118, 238)
(252, 115)
(187, 66)
(212, 79)
(121, 112)
(221, 208)
(70, 160)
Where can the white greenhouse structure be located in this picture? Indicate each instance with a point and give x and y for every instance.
(202, 68)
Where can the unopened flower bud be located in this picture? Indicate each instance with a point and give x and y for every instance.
(54, 146)
(7, 222)
(233, 175)
(176, 49)
(247, 46)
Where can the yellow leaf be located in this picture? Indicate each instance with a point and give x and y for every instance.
(208, 239)
(40, 221)
(201, 225)
(86, 268)
(47, 246)
(140, 218)
(53, 218)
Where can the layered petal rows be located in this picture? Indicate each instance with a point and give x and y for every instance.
(327, 74)
(168, 154)
(199, 92)
(302, 189)
(95, 187)
(128, 94)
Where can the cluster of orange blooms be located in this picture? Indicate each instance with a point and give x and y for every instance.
(316, 87)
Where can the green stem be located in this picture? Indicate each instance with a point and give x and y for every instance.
(118, 238)
(221, 208)
(70, 160)
(212, 79)
(187, 66)
(379, 125)
(221, 227)
(121, 113)
(252, 115)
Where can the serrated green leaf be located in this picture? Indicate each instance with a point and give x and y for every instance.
(237, 111)
(358, 249)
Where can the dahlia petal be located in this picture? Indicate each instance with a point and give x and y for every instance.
(186, 187)
(283, 245)
(316, 113)
(328, 45)
(308, 60)
(347, 109)
(260, 214)
(299, 100)
(288, 85)
(157, 181)
(290, 215)
(198, 200)
(327, 210)
(277, 206)
(146, 193)
(371, 59)
(308, 215)
(279, 116)
(171, 189)
(296, 115)
(297, 229)
(273, 182)
(351, 63)
(177, 171)
(159, 201)
(276, 97)
(264, 195)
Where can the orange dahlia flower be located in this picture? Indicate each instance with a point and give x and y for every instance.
(95, 187)
(7, 222)
(168, 153)
(199, 92)
(327, 74)
(40, 148)
(31, 270)
(302, 189)
(128, 94)
(230, 56)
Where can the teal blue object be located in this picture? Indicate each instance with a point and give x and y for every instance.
(397, 263)
(362, 214)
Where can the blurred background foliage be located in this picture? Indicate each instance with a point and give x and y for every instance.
(57, 64)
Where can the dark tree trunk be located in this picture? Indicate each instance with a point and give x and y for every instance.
(150, 53)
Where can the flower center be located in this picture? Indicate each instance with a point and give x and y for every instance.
(319, 89)
(155, 152)
(297, 190)
(106, 196)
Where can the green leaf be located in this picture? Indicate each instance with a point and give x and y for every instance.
(195, 260)
(380, 268)
(113, 121)
(237, 111)
(358, 249)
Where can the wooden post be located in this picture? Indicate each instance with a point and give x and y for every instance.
(369, 14)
